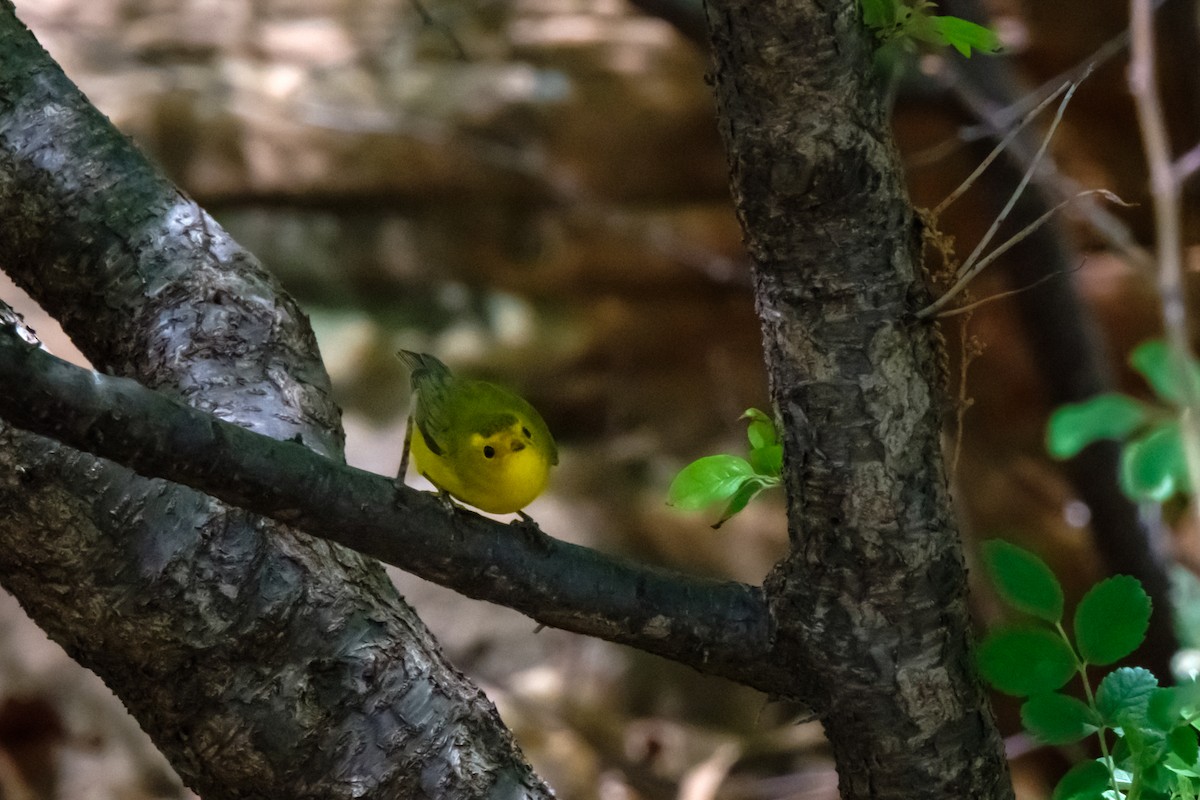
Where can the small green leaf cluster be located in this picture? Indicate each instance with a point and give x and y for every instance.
(914, 20)
(1153, 463)
(731, 479)
(1155, 754)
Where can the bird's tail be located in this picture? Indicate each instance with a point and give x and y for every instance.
(424, 367)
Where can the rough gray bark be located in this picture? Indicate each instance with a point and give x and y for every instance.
(872, 596)
(278, 666)
(262, 662)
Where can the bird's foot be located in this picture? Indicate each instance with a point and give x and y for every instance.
(447, 501)
(530, 531)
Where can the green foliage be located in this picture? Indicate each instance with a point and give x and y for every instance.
(1024, 580)
(1087, 780)
(1124, 695)
(1058, 718)
(1152, 358)
(1153, 463)
(1025, 660)
(1147, 734)
(907, 21)
(1111, 619)
(731, 479)
(1107, 416)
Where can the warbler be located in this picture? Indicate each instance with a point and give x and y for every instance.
(476, 441)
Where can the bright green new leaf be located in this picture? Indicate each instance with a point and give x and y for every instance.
(1153, 359)
(708, 480)
(761, 429)
(1124, 695)
(964, 35)
(1025, 660)
(1023, 580)
(768, 460)
(1153, 466)
(1111, 619)
(1087, 780)
(1074, 426)
(1058, 719)
(745, 493)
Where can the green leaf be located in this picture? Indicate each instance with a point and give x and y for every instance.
(1074, 426)
(1088, 780)
(708, 480)
(963, 35)
(1058, 719)
(1025, 660)
(1111, 619)
(1153, 466)
(1183, 745)
(878, 13)
(761, 429)
(1163, 712)
(1023, 580)
(1124, 695)
(744, 494)
(1153, 359)
(768, 460)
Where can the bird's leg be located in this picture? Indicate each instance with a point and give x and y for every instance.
(404, 453)
(446, 498)
(531, 532)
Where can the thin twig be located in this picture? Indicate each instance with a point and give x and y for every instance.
(967, 355)
(428, 19)
(1165, 189)
(1187, 164)
(969, 307)
(997, 150)
(1113, 230)
(1020, 189)
(998, 118)
(966, 277)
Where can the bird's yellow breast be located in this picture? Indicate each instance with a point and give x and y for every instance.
(499, 474)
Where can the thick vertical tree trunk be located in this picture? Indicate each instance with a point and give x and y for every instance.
(872, 596)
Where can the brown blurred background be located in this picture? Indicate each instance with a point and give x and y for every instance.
(534, 190)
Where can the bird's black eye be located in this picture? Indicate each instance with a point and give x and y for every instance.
(525, 431)
(488, 451)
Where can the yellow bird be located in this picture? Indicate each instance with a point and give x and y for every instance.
(476, 441)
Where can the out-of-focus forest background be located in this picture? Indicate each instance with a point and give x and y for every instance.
(535, 191)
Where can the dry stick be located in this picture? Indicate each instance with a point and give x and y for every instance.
(1017, 192)
(969, 307)
(970, 268)
(965, 277)
(997, 150)
(1165, 190)
(1187, 164)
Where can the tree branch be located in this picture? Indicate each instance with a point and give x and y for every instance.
(717, 627)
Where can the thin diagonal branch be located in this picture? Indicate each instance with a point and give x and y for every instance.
(716, 627)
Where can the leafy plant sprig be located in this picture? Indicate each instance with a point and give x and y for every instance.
(1155, 754)
(721, 478)
(901, 21)
(1153, 462)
